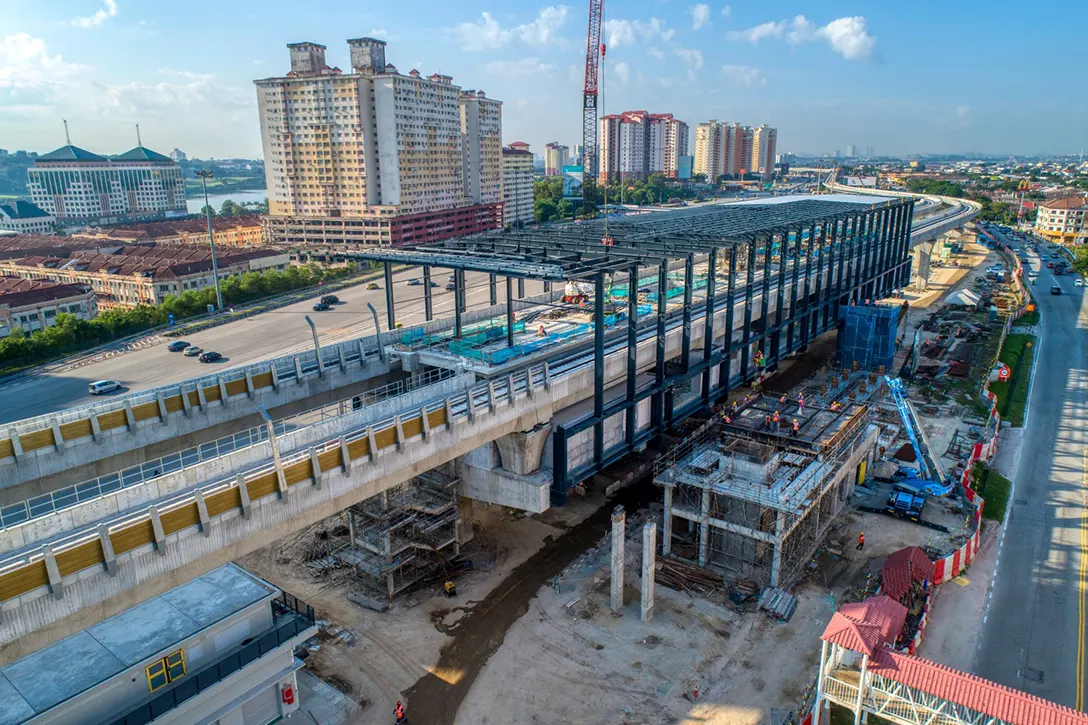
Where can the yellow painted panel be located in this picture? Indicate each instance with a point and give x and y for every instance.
(236, 387)
(224, 501)
(264, 380)
(412, 427)
(132, 537)
(194, 398)
(385, 438)
(329, 459)
(76, 429)
(359, 448)
(298, 472)
(111, 420)
(211, 393)
(174, 404)
(437, 417)
(263, 486)
(36, 440)
(23, 580)
(180, 518)
(145, 411)
(6, 449)
(79, 557)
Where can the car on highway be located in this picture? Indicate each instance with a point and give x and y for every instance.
(322, 306)
(1078, 282)
(434, 284)
(193, 351)
(330, 299)
(101, 387)
(452, 278)
(905, 505)
(1055, 289)
(177, 346)
(450, 287)
(415, 282)
(210, 356)
(373, 285)
(1050, 265)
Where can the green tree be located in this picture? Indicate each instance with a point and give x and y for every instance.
(229, 208)
(544, 209)
(698, 178)
(206, 209)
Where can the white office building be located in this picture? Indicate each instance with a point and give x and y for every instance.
(517, 184)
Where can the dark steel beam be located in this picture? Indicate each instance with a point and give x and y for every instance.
(428, 302)
(492, 287)
(689, 285)
(708, 322)
(390, 310)
(632, 352)
(509, 313)
(598, 367)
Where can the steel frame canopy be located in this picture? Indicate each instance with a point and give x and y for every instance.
(574, 251)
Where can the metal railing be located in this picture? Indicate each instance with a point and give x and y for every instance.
(290, 618)
(50, 503)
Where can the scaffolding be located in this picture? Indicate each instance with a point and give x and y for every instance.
(753, 497)
(406, 533)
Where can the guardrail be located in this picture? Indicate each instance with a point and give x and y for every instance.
(64, 498)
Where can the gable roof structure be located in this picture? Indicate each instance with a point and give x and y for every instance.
(866, 626)
(20, 209)
(142, 154)
(71, 153)
(904, 567)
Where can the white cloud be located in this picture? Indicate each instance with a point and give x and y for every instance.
(727, 12)
(378, 33)
(623, 72)
(693, 58)
(700, 16)
(488, 34)
(99, 17)
(25, 63)
(518, 68)
(629, 32)
(657, 53)
(743, 75)
(850, 37)
(847, 36)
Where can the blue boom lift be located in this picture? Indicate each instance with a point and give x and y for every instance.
(928, 478)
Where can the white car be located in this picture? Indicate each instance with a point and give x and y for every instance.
(1078, 282)
(101, 387)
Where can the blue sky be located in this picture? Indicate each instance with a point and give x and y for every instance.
(930, 76)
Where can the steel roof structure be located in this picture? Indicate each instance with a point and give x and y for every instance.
(573, 251)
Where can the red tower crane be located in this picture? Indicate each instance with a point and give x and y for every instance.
(594, 52)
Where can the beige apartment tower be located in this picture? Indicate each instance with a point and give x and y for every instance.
(730, 149)
(374, 156)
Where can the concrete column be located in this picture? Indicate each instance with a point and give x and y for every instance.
(315, 464)
(58, 438)
(157, 529)
(425, 423)
(201, 398)
(547, 377)
(398, 427)
(343, 362)
(53, 572)
(107, 549)
(130, 419)
(96, 428)
(371, 443)
(704, 527)
(776, 557)
(619, 530)
(465, 529)
(243, 493)
(202, 512)
(276, 375)
(250, 390)
(161, 400)
(185, 404)
(666, 523)
(649, 559)
(222, 390)
(491, 395)
(298, 370)
(16, 444)
(449, 414)
(345, 457)
(861, 688)
(510, 397)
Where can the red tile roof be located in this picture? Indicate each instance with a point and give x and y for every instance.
(903, 568)
(857, 636)
(1069, 202)
(16, 292)
(866, 626)
(988, 698)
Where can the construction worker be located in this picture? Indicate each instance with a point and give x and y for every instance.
(801, 402)
(775, 419)
(861, 541)
(796, 427)
(767, 421)
(451, 588)
(398, 713)
(782, 400)
(540, 332)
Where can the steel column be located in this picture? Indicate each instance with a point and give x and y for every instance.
(492, 286)
(765, 298)
(458, 281)
(521, 288)
(780, 297)
(811, 319)
(460, 292)
(749, 299)
(658, 402)
(793, 289)
(509, 312)
(598, 367)
(390, 311)
(632, 352)
(428, 303)
(708, 322)
(689, 284)
(725, 371)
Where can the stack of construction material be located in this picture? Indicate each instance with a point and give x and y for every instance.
(684, 577)
(778, 603)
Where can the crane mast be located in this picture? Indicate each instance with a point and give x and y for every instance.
(594, 50)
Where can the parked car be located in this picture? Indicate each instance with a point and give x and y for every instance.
(373, 285)
(451, 287)
(177, 346)
(415, 282)
(210, 356)
(193, 351)
(322, 306)
(434, 284)
(905, 505)
(1078, 282)
(452, 278)
(102, 387)
(330, 299)
(1055, 290)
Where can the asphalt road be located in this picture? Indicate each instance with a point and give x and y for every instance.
(267, 335)
(1033, 635)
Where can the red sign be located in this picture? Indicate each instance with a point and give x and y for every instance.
(1003, 375)
(288, 692)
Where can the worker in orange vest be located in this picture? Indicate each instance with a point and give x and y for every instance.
(398, 712)
(540, 332)
(796, 427)
(861, 541)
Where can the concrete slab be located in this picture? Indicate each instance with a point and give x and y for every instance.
(13, 708)
(58, 673)
(140, 632)
(217, 594)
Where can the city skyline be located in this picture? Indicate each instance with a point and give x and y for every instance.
(825, 76)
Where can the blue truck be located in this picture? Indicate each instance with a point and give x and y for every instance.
(905, 505)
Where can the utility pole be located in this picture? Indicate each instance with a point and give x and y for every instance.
(204, 175)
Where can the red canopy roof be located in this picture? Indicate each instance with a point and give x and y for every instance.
(866, 626)
(903, 568)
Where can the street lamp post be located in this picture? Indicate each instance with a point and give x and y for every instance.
(204, 175)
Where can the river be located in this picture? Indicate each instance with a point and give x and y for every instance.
(216, 200)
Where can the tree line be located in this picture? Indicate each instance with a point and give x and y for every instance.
(69, 334)
(549, 203)
(230, 208)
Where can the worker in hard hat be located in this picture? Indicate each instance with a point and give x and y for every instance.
(451, 588)
(540, 332)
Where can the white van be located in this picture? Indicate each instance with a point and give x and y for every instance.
(103, 386)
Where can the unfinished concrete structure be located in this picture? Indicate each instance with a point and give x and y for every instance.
(756, 492)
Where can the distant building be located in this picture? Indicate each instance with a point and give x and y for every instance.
(217, 649)
(375, 156)
(26, 218)
(178, 155)
(127, 276)
(635, 144)
(556, 156)
(517, 184)
(33, 304)
(244, 230)
(572, 181)
(733, 150)
(851, 151)
(684, 168)
(1063, 221)
(764, 146)
(80, 187)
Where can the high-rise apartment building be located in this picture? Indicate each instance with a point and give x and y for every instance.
(851, 151)
(375, 156)
(79, 187)
(764, 145)
(556, 156)
(517, 184)
(635, 144)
